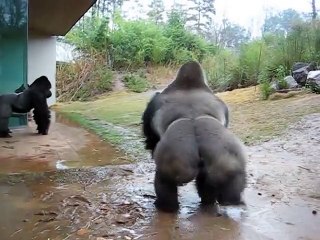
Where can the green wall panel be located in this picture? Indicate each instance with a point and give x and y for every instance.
(13, 49)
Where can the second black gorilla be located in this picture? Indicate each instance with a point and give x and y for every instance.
(185, 127)
(33, 97)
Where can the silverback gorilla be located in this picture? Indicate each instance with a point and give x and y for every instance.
(185, 127)
(34, 97)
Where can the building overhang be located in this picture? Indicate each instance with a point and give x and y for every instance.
(56, 17)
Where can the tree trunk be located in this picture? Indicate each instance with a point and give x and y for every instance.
(314, 10)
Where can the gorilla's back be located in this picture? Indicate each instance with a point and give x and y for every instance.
(188, 104)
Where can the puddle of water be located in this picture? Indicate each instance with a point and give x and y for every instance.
(69, 207)
(67, 146)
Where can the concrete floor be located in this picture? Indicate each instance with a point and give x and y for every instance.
(66, 146)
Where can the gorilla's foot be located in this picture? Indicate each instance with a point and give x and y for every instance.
(230, 191)
(42, 131)
(167, 194)
(5, 135)
(166, 206)
(207, 201)
(206, 192)
(236, 200)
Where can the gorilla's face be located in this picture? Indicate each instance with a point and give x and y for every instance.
(48, 94)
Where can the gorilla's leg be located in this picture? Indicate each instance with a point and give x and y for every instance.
(167, 194)
(206, 192)
(230, 191)
(4, 130)
(177, 160)
(41, 115)
(224, 163)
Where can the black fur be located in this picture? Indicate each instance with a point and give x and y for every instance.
(152, 138)
(185, 127)
(34, 97)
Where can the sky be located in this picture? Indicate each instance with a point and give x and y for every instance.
(247, 13)
(251, 13)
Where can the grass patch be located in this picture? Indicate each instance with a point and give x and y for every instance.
(108, 134)
(251, 119)
(121, 108)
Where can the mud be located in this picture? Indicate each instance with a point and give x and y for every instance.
(116, 202)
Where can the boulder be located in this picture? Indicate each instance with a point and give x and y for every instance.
(299, 65)
(274, 85)
(311, 66)
(300, 74)
(313, 81)
(291, 83)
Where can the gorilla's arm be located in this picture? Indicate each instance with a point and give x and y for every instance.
(226, 114)
(152, 138)
(5, 113)
(41, 113)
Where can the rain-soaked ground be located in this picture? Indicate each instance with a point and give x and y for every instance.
(44, 194)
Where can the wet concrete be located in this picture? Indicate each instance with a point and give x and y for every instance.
(66, 146)
(116, 202)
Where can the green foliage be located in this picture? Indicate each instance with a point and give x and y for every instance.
(314, 87)
(266, 90)
(183, 45)
(132, 43)
(221, 70)
(136, 82)
(237, 62)
(93, 34)
(280, 75)
(136, 42)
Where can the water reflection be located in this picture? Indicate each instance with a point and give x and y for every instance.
(13, 14)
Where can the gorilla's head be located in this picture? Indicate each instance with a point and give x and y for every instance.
(189, 77)
(42, 84)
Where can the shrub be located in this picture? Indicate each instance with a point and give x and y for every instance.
(221, 70)
(83, 79)
(136, 82)
(266, 90)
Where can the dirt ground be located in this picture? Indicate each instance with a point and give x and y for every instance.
(60, 190)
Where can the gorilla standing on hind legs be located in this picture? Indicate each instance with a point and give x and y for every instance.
(185, 127)
(34, 97)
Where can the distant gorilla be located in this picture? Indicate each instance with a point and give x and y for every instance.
(185, 127)
(34, 97)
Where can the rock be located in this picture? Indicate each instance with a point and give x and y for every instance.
(299, 65)
(274, 85)
(300, 74)
(313, 81)
(291, 83)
